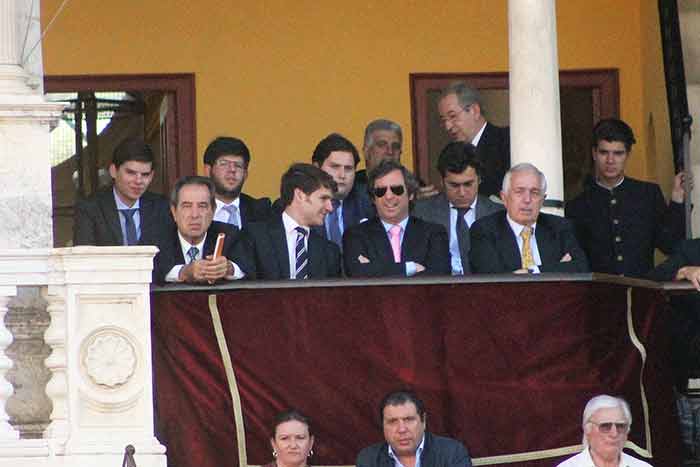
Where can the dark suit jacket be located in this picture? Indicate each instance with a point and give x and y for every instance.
(356, 207)
(438, 451)
(423, 242)
(436, 209)
(493, 151)
(97, 223)
(620, 229)
(254, 210)
(235, 249)
(495, 248)
(687, 254)
(267, 242)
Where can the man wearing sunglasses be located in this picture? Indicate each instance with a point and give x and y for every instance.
(226, 162)
(522, 239)
(460, 205)
(606, 424)
(461, 114)
(394, 243)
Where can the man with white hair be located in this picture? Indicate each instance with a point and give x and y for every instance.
(606, 424)
(521, 239)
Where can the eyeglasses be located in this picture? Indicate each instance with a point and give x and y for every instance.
(227, 164)
(453, 116)
(398, 190)
(606, 427)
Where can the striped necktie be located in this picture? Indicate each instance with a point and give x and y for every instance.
(302, 255)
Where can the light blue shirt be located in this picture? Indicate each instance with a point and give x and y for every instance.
(122, 221)
(410, 265)
(419, 451)
(455, 253)
(517, 228)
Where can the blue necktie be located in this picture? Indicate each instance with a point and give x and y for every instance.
(129, 226)
(334, 225)
(232, 211)
(192, 254)
(302, 264)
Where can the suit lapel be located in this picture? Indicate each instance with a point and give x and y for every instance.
(111, 215)
(146, 213)
(278, 240)
(410, 240)
(380, 239)
(510, 251)
(243, 209)
(546, 242)
(317, 256)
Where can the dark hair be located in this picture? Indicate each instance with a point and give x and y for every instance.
(399, 398)
(456, 157)
(306, 177)
(192, 180)
(225, 146)
(384, 168)
(288, 416)
(132, 149)
(612, 129)
(333, 142)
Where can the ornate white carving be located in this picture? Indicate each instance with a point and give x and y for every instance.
(110, 358)
(57, 387)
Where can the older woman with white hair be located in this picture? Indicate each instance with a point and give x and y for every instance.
(606, 423)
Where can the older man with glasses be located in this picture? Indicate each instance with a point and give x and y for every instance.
(606, 424)
(394, 243)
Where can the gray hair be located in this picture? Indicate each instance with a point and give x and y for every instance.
(381, 124)
(466, 95)
(524, 167)
(603, 402)
(192, 180)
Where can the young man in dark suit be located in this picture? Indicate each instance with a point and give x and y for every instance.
(338, 157)
(460, 205)
(462, 116)
(521, 239)
(285, 246)
(226, 162)
(188, 253)
(125, 213)
(394, 243)
(620, 221)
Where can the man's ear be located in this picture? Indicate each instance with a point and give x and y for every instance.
(207, 170)
(503, 197)
(113, 170)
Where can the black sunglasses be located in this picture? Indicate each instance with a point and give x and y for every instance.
(396, 189)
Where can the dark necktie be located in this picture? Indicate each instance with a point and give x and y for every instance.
(302, 266)
(192, 254)
(462, 235)
(129, 226)
(334, 225)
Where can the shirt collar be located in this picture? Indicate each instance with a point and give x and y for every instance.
(236, 202)
(610, 189)
(120, 203)
(472, 206)
(517, 228)
(290, 224)
(419, 451)
(186, 245)
(388, 226)
(477, 137)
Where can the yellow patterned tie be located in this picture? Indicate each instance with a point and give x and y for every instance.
(526, 254)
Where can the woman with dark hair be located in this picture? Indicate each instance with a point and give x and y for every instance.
(291, 439)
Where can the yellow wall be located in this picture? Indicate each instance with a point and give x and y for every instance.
(281, 74)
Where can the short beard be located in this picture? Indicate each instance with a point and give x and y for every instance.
(222, 191)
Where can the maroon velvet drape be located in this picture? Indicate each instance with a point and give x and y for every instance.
(505, 368)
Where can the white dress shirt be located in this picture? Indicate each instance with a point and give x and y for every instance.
(290, 229)
(455, 254)
(222, 216)
(583, 459)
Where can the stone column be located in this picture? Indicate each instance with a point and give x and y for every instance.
(535, 123)
(7, 432)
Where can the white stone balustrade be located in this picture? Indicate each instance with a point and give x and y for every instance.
(101, 385)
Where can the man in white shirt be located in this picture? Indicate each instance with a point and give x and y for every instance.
(462, 116)
(188, 254)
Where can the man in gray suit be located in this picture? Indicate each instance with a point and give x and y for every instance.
(460, 205)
